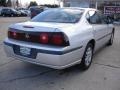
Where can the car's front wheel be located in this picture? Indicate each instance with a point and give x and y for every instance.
(110, 42)
(87, 57)
(3, 15)
(12, 15)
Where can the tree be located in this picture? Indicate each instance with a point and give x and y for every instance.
(33, 3)
(9, 3)
(17, 3)
(2, 2)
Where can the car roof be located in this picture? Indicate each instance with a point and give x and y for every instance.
(77, 8)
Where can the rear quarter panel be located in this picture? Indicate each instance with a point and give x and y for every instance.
(79, 35)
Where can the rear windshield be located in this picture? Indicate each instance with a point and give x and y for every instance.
(36, 9)
(59, 16)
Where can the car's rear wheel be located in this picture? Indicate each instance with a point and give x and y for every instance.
(87, 57)
(3, 15)
(12, 15)
(110, 42)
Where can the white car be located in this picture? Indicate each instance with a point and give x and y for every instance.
(60, 38)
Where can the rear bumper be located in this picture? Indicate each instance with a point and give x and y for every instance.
(57, 59)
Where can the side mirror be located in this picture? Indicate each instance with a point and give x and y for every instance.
(109, 20)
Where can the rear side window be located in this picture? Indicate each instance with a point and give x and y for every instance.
(96, 17)
(93, 17)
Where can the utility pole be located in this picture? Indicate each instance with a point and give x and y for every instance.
(20, 3)
(54, 2)
(96, 4)
(59, 2)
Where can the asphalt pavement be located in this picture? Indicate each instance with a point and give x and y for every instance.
(104, 74)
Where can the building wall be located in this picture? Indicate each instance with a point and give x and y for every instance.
(90, 3)
(99, 4)
(76, 3)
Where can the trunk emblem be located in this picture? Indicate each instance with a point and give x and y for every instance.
(27, 36)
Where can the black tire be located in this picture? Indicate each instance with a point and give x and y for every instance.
(3, 15)
(83, 64)
(110, 42)
(12, 15)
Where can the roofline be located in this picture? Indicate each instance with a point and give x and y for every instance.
(78, 8)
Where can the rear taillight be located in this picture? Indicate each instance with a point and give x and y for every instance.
(12, 34)
(57, 39)
(54, 38)
(47, 38)
(44, 38)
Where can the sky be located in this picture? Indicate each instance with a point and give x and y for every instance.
(40, 1)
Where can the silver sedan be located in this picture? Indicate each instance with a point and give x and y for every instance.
(60, 38)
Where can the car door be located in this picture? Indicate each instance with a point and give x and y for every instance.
(99, 26)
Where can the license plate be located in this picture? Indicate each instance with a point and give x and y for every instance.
(25, 51)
